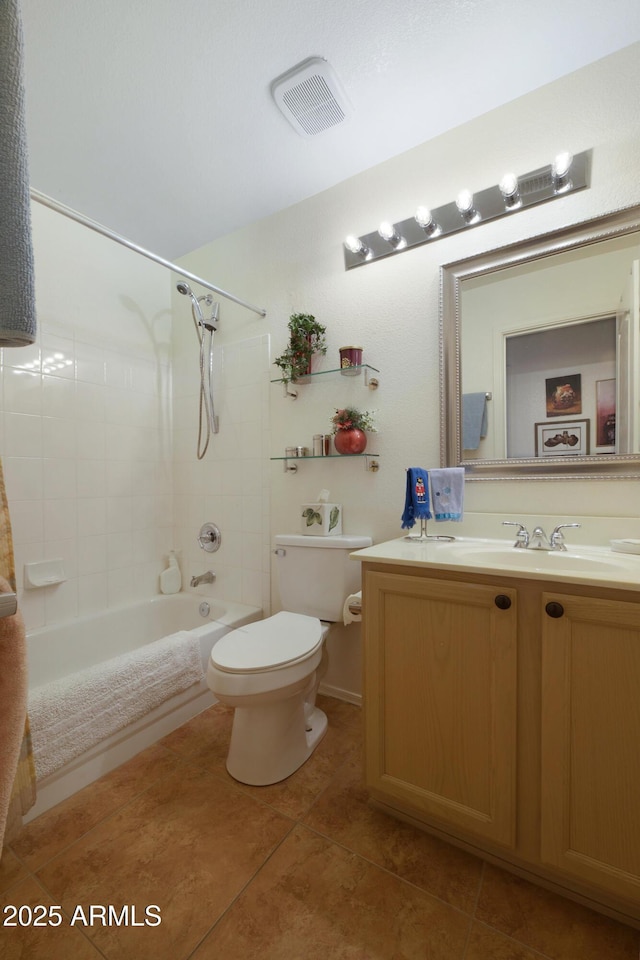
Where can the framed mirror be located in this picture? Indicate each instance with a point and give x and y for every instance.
(540, 355)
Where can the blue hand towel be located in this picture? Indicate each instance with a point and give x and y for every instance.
(447, 492)
(474, 419)
(416, 503)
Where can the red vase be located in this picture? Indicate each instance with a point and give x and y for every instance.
(350, 441)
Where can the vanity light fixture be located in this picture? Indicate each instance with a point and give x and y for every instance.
(510, 190)
(560, 172)
(565, 175)
(389, 233)
(464, 203)
(424, 219)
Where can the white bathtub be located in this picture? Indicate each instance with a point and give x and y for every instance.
(57, 651)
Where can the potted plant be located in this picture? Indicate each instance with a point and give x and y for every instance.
(306, 337)
(349, 427)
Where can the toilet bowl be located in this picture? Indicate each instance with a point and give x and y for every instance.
(268, 671)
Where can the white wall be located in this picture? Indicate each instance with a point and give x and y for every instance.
(86, 446)
(293, 261)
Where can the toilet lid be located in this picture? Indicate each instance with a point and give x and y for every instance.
(268, 644)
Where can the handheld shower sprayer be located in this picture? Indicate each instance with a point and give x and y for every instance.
(204, 327)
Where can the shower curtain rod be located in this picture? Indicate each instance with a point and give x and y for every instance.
(112, 235)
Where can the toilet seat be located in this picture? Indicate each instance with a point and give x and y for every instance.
(272, 644)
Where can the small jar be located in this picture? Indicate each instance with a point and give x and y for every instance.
(326, 441)
(290, 452)
(318, 445)
(302, 451)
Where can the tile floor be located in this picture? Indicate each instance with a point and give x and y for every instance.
(301, 870)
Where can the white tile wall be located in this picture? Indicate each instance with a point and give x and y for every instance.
(85, 429)
(229, 486)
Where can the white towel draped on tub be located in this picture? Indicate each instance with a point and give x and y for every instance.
(73, 714)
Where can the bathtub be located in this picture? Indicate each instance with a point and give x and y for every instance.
(56, 651)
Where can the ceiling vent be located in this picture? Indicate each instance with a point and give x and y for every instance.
(311, 97)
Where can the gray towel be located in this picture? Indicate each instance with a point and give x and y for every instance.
(474, 419)
(17, 288)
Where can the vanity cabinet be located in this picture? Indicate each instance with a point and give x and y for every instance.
(441, 700)
(503, 715)
(590, 700)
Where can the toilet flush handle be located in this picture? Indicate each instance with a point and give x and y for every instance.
(280, 552)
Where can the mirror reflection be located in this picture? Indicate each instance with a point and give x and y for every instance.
(541, 354)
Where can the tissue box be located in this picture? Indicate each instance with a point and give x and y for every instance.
(321, 519)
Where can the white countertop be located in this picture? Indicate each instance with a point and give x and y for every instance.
(584, 564)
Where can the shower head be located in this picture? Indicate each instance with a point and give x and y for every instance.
(184, 288)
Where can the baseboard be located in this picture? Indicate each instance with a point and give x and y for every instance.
(340, 694)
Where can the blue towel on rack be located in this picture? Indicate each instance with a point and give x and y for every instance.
(474, 419)
(447, 493)
(416, 502)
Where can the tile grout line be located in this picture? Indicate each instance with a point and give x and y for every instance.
(91, 829)
(294, 824)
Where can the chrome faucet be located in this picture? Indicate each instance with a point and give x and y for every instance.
(207, 577)
(538, 540)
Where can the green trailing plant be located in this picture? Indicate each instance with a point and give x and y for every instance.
(349, 418)
(306, 337)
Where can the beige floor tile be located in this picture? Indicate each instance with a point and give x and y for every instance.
(56, 829)
(557, 927)
(11, 870)
(343, 814)
(35, 942)
(487, 944)
(314, 900)
(189, 844)
(205, 741)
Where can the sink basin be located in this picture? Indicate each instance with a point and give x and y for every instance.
(553, 561)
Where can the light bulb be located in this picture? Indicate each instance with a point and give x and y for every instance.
(389, 233)
(510, 191)
(424, 219)
(562, 164)
(466, 209)
(355, 245)
(464, 201)
(509, 185)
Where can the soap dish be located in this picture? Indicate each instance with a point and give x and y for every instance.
(625, 546)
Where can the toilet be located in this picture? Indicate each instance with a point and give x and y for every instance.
(269, 671)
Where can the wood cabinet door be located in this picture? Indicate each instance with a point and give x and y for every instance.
(440, 700)
(590, 801)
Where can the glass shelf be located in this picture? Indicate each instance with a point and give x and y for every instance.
(291, 463)
(369, 381)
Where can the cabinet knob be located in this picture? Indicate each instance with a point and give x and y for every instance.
(502, 602)
(554, 609)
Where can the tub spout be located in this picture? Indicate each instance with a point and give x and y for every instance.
(207, 577)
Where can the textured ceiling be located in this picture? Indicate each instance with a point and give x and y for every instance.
(156, 119)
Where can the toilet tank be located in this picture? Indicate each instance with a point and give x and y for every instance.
(315, 574)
